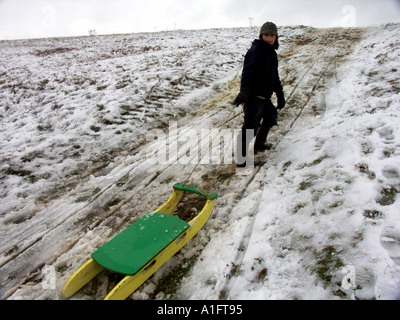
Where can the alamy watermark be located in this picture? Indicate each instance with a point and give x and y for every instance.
(48, 17)
(49, 279)
(349, 17)
(198, 146)
(349, 277)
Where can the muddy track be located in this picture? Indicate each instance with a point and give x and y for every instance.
(100, 207)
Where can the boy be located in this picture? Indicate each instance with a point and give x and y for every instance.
(260, 78)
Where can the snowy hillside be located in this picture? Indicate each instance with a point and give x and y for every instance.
(80, 162)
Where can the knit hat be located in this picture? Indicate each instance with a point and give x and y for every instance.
(270, 28)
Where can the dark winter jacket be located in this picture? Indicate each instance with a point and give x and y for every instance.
(260, 75)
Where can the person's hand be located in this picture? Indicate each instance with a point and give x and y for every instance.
(281, 101)
(240, 99)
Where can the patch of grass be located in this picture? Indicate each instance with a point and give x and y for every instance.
(335, 204)
(388, 152)
(363, 168)
(45, 127)
(319, 160)
(42, 84)
(314, 163)
(262, 275)
(56, 106)
(100, 107)
(304, 185)
(298, 207)
(367, 148)
(17, 172)
(102, 87)
(388, 196)
(236, 270)
(373, 214)
(286, 166)
(328, 264)
(62, 269)
(168, 284)
(107, 122)
(122, 84)
(32, 156)
(95, 128)
(357, 238)
(126, 110)
(50, 51)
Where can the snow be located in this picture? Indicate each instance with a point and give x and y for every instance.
(85, 124)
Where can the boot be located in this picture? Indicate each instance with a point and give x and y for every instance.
(255, 164)
(243, 150)
(260, 145)
(262, 148)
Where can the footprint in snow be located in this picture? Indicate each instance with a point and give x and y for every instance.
(390, 172)
(390, 240)
(386, 133)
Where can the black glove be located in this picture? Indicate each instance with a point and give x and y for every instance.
(281, 100)
(240, 99)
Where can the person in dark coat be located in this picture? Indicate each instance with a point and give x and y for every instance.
(260, 79)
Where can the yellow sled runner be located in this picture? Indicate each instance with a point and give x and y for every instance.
(141, 249)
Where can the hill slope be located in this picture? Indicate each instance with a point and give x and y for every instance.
(80, 162)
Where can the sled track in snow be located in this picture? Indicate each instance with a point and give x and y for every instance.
(131, 192)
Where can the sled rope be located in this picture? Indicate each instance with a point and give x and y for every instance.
(209, 146)
(227, 120)
(311, 92)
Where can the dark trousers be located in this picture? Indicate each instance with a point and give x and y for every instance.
(259, 116)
